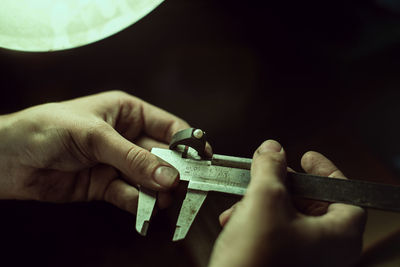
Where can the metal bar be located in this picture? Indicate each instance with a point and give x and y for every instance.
(232, 175)
(232, 162)
(355, 192)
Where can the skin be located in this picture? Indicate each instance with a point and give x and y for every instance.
(97, 148)
(265, 228)
(90, 148)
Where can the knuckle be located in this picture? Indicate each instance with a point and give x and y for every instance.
(271, 160)
(94, 134)
(273, 157)
(359, 217)
(131, 114)
(117, 93)
(175, 125)
(276, 158)
(309, 156)
(137, 159)
(276, 192)
(170, 129)
(183, 124)
(352, 223)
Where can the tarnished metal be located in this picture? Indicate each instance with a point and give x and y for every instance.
(232, 162)
(204, 176)
(193, 138)
(231, 175)
(354, 192)
(190, 207)
(146, 203)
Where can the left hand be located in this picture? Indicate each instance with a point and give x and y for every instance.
(265, 229)
(90, 148)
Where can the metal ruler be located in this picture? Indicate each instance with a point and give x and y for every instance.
(231, 175)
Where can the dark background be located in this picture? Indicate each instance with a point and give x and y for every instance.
(321, 75)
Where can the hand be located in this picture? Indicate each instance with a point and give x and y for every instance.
(90, 148)
(264, 228)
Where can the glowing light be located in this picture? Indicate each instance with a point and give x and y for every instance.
(47, 25)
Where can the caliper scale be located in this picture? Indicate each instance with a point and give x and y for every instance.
(231, 175)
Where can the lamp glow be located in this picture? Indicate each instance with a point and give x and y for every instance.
(48, 25)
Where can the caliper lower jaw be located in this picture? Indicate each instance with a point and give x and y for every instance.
(190, 207)
(146, 202)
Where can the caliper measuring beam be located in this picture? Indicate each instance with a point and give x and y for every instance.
(231, 175)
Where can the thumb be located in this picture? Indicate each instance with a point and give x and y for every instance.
(268, 172)
(137, 164)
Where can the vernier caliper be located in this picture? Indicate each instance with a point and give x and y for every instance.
(231, 175)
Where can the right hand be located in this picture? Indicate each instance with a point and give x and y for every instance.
(264, 228)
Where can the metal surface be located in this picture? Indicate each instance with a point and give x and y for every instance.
(48, 25)
(146, 203)
(231, 175)
(192, 137)
(229, 161)
(355, 192)
(190, 207)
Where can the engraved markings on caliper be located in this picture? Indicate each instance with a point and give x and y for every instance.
(211, 175)
(202, 177)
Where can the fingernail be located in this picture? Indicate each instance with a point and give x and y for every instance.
(165, 176)
(270, 146)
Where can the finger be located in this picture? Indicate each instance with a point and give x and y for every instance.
(139, 165)
(343, 218)
(122, 195)
(310, 207)
(148, 143)
(130, 115)
(268, 172)
(160, 124)
(317, 164)
(208, 150)
(226, 215)
(104, 183)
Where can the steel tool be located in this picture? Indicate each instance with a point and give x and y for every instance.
(231, 175)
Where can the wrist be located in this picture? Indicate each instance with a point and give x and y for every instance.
(8, 157)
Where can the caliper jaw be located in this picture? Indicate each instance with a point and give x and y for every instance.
(190, 206)
(146, 203)
(203, 176)
(194, 167)
(231, 175)
(147, 198)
